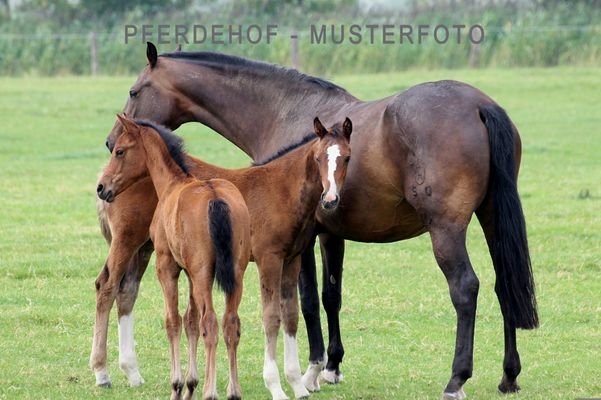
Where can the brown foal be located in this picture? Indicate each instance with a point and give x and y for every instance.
(282, 195)
(202, 227)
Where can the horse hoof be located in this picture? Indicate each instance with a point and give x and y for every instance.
(106, 385)
(332, 377)
(509, 387)
(458, 395)
(235, 397)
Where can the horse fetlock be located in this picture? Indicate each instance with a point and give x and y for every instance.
(102, 378)
(331, 376)
(311, 377)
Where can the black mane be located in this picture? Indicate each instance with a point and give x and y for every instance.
(174, 143)
(219, 60)
(309, 138)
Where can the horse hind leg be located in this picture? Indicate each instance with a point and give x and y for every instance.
(310, 308)
(168, 274)
(332, 253)
(511, 361)
(231, 335)
(126, 298)
(451, 255)
(192, 328)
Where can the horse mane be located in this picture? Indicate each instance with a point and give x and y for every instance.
(224, 61)
(174, 143)
(285, 150)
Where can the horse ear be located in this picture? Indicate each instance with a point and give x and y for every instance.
(128, 124)
(151, 54)
(178, 48)
(319, 129)
(347, 128)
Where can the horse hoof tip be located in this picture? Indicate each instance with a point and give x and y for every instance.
(506, 388)
(105, 385)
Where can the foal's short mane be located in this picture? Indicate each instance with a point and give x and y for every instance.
(219, 60)
(174, 143)
(283, 151)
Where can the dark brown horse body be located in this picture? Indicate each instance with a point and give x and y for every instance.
(424, 160)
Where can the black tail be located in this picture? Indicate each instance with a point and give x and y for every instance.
(220, 229)
(511, 258)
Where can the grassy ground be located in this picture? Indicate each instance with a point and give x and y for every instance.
(397, 319)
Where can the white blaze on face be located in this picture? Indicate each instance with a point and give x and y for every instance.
(333, 154)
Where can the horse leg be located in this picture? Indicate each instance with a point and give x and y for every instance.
(310, 308)
(209, 327)
(270, 275)
(107, 287)
(126, 299)
(168, 274)
(448, 242)
(332, 255)
(192, 328)
(289, 311)
(231, 334)
(511, 362)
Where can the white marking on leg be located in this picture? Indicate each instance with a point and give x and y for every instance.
(127, 353)
(102, 378)
(311, 376)
(292, 367)
(458, 395)
(271, 376)
(331, 376)
(333, 153)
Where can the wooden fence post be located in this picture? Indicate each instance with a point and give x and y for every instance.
(294, 59)
(93, 54)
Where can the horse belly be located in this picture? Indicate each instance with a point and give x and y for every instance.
(369, 219)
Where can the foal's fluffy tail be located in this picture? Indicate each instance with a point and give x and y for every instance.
(511, 258)
(220, 230)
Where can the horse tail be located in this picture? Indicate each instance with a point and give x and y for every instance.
(509, 247)
(220, 230)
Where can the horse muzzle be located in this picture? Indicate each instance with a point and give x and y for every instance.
(103, 194)
(329, 203)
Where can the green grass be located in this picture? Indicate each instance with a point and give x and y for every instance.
(397, 319)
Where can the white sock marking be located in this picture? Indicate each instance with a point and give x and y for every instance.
(127, 354)
(292, 367)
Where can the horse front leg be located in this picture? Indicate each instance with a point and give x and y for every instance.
(332, 255)
(107, 286)
(270, 275)
(448, 243)
(126, 299)
(310, 307)
(289, 310)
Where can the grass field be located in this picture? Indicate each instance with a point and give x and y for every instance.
(397, 319)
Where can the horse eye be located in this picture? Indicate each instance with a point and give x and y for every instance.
(119, 153)
(133, 93)
(347, 159)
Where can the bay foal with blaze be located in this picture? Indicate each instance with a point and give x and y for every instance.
(202, 227)
(282, 195)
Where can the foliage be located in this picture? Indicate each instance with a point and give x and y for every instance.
(53, 37)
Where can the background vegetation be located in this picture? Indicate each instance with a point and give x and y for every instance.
(45, 37)
(397, 319)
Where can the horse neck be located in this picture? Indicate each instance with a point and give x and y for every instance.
(259, 112)
(163, 170)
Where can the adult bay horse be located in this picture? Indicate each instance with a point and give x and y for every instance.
(427, 159)
(282, 194)
(202, 227)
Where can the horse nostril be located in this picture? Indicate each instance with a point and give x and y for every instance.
(107, 144)
(99, 188)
